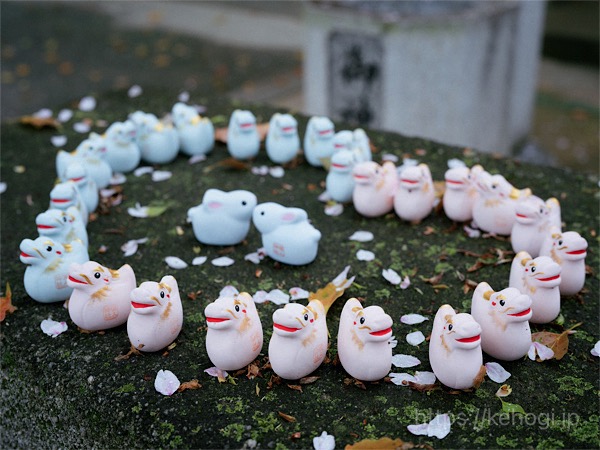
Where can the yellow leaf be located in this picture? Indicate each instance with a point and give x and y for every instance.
(384, 443)
(286, 417)
(6, 306)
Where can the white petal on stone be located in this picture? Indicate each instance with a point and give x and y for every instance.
(425, 377)
(134, 91)
(43, 113)
(496, 372)
(87, 104)
(259, 170)
(415, 338)
(596, 350)
(543, 352)
(343, 275)
(143, 170)
(175, 263)
(3, 187)
(277, 172)
(405, 283)
(455, 163)
(138, 211)
(393, 342)
(365, 255)
(161, 175)
(223, 261)
(260, 297)
(166, 382)
(64, 115)
(253, 257)
(324, 197)
(392, 276)
(52, 327)
(82, 127)
(278, 297)
(531, 352)
(228, 291)
(324, 442)
(118, 178)
(216, 372)
(389, 157)
(298, 293)
(347, 284)
(197, 158)
(401, 379)
(105, 193)
(183, 96)
(405, 361)
(413, 319)
(199, 260)
(361, 236)
(59, 140)
(419, 430)
(439, 426)
(334, 209)
(471, 232)
(129, 248)
(141, 240)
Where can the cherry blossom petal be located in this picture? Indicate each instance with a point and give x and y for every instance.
(129, 248)
(260, 297)
(199, 260)
(138, 211)
(343, 275)
(118, 178)
(392, 276)
(223, 261)
(64, 115)
(389, 157)
(52, 327)
(197, 158)
(424, 377)
(415, 338)
(496, 372)
(361, 236)
(334, 209)
(58, 140)
(596, 350)
(531, 352)
(143, 170)
(175, 263)
(543, 352)
(324, 197)
(393, 342)
(82, 127)
(298, 293)
(419, 430)
(277, 172)
(216, 372)
(161, 175)
(166, 382)
(87, 104)
(43, 113)
(324, 442)
(405, 361)
(134, 91)
(228, 291)
(3, 187)
(278, 297)
(471, 232)
(253, 257)
(439, 426)
(401, 379)
(365, 255)
(405, 283)
(260, 170)
(183, 96)
(413, 319)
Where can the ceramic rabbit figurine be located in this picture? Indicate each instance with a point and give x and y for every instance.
(91, 153)
(540, 279)
(415, 194)
(243, 141)
(339, 183)
(156, 315)
(461, 193)
(100, 298)
(363, 341)
(299, 342)
(282, 142)
(158, 142)
(234, 337)
(318, 140)
(122, 151)
(287, 235)
(504, 319)
(533, 219)
(374, 188)
(455, 348)
(223, 218)
(196, 134)
(47, 269)
(62, 226)
(361, 146)
(568, 249)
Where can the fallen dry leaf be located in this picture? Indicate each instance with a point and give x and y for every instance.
(296, 435)
(295, 387)
(132, 351)
(384, 443)
(557, 342)
(253, 371)
(286, 417)
(229, 163)
(479, 377)
(40, 122)
(423, 387)
(6, 306)
(308, 380)
(192, 384)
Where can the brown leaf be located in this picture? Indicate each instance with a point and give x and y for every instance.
(296, 435)
(434, 279)
(384, 443)
(253, 371)
(295, 387)
(469, 285)
(286, 417)
(192, 384)
(40, 122)
(429, 230)
(479, 378)
(558, 343)
(308, 380)
(6, 306)
(423, 387)
(132, 351)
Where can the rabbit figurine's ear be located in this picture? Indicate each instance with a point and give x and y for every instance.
(288, 216)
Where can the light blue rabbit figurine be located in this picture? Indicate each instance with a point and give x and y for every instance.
(122, 152)
(318, 140)
(158, 142)
(243, 141)
(196, 134)
(282, 142)
(340, 180)
(91, 153)
(62, 226)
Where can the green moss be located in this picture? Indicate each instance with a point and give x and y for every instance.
(125, 389)
(280, 446)
(266, 423)
(381, 399)
(575, 385)
(504, 441)
(168, 436)
(137, 408)
(584, 431)
(480, 441)
(392, 411)
(382, 294)
(549, 443)
(232, 405)
(233, 431)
